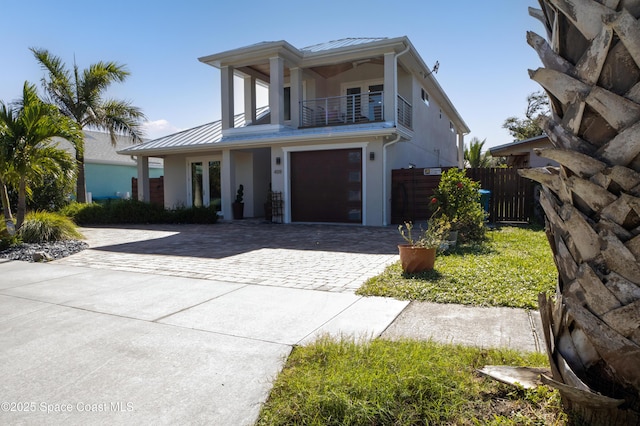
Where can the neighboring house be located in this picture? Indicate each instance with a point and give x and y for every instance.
(340, 116)
(520, 154)
(107, 173)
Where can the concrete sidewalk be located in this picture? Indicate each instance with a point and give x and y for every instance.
(92, 346)
(130, 331)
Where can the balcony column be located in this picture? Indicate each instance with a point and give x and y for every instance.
(296, 96)
(144, 193)
(276, 90)
(250, 99)
(460, 150)
(226, 92)
(390, 87)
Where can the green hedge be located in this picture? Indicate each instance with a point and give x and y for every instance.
(113, 212)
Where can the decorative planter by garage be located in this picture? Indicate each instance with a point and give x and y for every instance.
(238, 210)
(416, 259)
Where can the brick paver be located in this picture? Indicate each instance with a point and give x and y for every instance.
(320, 257)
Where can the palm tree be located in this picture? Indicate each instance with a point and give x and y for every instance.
(26, 153)
(473, 154)
(591, 74)
(79, 96)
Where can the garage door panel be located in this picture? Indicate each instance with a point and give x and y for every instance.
(326, 186)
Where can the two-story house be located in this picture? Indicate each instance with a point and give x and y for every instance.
(340, 116)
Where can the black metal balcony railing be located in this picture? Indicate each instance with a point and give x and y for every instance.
(336, 110)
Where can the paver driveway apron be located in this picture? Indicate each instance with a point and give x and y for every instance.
(320, 257)
(179, 325)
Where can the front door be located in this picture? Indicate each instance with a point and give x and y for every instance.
(203, 183)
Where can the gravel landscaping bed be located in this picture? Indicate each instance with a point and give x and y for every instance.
(43, 251)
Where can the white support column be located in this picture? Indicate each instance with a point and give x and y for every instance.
(250, 99)
(143, 179)
(227, 184)
(296, 96)
(276, 90)
(390, 87)
(226, 92)
(460, 151)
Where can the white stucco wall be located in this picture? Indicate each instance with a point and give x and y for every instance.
(433, 143)
(261, 179)
(175, 175)
(374, 172)
(243, 175)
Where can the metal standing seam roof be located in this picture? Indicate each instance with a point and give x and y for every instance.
(344, 42)
(209, 133)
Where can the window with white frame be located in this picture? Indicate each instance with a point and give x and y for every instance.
(451, 127)
(425, 97)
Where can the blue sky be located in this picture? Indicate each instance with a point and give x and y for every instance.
(480, 45)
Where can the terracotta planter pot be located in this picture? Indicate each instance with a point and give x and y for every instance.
(416, 259)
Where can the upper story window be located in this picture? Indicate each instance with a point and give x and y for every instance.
(425, 97)
(451, 127)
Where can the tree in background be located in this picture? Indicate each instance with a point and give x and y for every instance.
(79, 95)
(530, 126)
(26, 153)
(473, 155)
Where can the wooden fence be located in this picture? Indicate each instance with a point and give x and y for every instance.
(156, 190)
(511, 199)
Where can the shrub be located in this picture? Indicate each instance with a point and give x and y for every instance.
(51, 192)
(136, 212)
(41, 226)
(457, 199)
(203, 215)
(85, 214)
(7, 240)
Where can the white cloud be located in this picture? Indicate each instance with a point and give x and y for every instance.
(158, 128)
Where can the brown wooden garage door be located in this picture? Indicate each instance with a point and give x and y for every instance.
(326, 186)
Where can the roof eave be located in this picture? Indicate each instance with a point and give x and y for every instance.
(261, 142)
(248, 54)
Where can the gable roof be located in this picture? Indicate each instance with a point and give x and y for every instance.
(98, 149)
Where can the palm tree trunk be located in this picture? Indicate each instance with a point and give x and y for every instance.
(81, 185)
(592, 203)
(6, 207)
(22, 202)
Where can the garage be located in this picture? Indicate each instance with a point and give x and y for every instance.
(326, 186)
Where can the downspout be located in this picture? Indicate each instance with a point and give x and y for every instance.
(395, 83)
(385, 178)
(393, 142)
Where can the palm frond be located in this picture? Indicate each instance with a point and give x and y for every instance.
(120, 117)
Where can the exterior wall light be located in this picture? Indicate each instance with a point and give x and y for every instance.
(372, 156)
(278, 161)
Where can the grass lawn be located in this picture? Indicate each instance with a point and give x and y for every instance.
(509, 270)
(403, 383)
(410, 382)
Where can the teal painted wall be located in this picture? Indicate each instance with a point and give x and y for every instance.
(106, 180)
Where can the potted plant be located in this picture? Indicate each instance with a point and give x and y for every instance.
(238, 205)
(419, 254)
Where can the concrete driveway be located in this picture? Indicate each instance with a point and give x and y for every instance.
(179, 324)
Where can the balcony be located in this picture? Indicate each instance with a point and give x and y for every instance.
(405, 113)
(337, 110)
